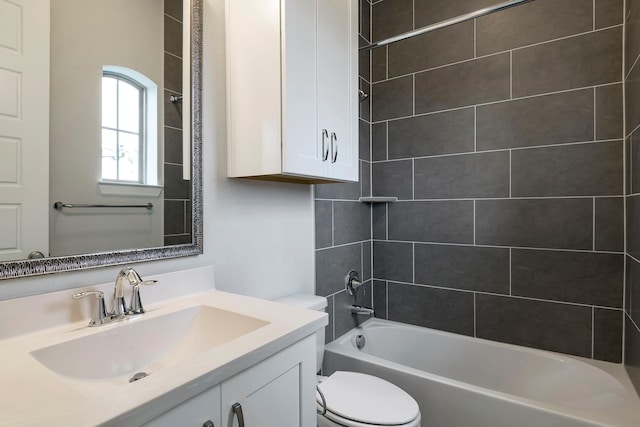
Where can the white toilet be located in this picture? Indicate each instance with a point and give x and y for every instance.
(354, 399)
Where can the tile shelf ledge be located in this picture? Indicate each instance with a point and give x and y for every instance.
(378, 199)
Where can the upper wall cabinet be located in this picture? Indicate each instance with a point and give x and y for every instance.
(292, 92)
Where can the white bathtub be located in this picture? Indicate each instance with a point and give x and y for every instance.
(461, 381)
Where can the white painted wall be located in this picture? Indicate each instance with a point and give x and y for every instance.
(258, 236)
(85, 36)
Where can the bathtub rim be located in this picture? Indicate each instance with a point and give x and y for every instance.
(602, 417)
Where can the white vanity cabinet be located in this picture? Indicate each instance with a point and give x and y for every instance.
(195, 412)
(292, 89)
(276, 392)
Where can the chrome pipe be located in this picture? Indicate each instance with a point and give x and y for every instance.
(446, 23)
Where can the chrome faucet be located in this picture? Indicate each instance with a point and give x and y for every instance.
(359, 310)
(352, 282)
(119, 309)
(135, 306)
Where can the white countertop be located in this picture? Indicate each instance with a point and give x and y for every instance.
(31, 394)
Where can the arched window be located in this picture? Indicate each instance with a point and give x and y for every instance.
(130, 137)
(123, 129)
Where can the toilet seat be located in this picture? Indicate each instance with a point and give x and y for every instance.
(355, 399)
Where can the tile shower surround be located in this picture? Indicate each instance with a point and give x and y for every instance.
(503, 140)
(177, 196)
(632, 146)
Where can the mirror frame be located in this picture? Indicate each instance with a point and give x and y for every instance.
(33, 267)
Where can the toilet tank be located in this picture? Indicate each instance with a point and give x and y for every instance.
(310, 302)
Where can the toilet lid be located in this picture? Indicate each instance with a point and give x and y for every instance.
(367, 399)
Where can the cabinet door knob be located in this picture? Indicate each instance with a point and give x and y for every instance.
(325, 146)
(237, 410)
(334, 147)
(208, 423)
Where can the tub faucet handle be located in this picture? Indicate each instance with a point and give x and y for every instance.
(352, 282)
(358, 310)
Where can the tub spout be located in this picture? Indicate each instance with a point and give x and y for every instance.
(361, 311)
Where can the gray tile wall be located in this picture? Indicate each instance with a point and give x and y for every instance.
(177, 197)
(503, 139)
(632, 149)
(343, 224)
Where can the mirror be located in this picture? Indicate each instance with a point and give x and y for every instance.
(100, 133)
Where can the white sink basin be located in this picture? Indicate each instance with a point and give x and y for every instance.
(146, 344)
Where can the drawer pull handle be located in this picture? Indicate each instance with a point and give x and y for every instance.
(325, 146)
(334, 147)
(208, 423)
(237, 410)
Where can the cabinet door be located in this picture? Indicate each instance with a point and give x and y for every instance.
(278, 392)
(338, 84)
(302, 152)
(195, 412)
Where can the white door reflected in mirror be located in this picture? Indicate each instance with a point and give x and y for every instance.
(24, 136)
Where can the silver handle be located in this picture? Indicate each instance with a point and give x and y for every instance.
(334, 147)
(36, 255)
(325, 146)
(135, 305)
(208, 423)
(97, 294)
(237, 410)
(100, 314)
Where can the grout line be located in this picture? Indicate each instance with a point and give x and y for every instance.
(173, 54)
(627, 167)
(594, 224)
(510, 74)
(520, 297)
(343, 245)
(502, 52)
(370, 21)
(633, 66)
(362, 259)
(593, 315)
(387, 140)
(333, 316)
(499, 150)
(413, 263)
(474, 222)
(630, 189)
(413, 179)
(510, 272)
(624, 305)
(169, 92)
(471, 245)
(413, 93)
(468, 199)
(475, 128)
(634, 322)
(475, 38)
(386, 63)
(510, 175)
(172, 17)
(633, 258)
(594, 15)
(500, 101)
(386, 220)
(413, 11)
(386, 287)
(333, 225)
(475, 321)
(595, 115)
